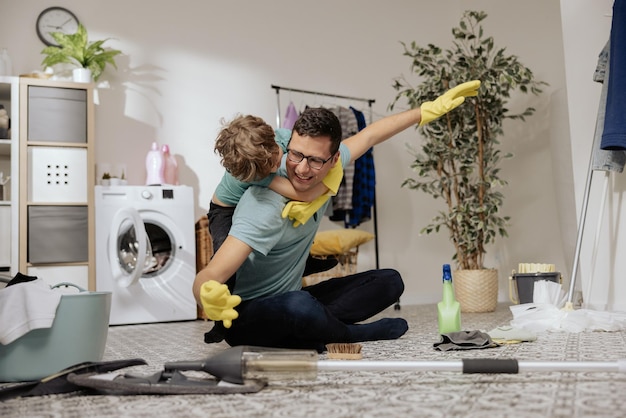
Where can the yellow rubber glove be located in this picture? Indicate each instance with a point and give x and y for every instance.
(301, 212)
(448, 101)
(334, 177)
(218, 303)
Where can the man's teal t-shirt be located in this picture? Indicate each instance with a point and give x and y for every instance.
(280, 250)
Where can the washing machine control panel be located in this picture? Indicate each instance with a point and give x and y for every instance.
(166, 194)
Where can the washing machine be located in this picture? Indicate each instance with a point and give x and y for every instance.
(146, 252)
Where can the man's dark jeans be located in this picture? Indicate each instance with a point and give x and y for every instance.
(326, 312)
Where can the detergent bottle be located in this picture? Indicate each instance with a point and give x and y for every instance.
(170, 170)
(154, 166)
(449, 309)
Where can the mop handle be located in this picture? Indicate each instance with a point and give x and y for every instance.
(511, 366)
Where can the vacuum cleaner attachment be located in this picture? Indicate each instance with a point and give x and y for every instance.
(248, 369)
(244, 363)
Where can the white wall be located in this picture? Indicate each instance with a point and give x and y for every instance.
(187, 64)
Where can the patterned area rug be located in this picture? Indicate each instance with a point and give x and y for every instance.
(368, 394)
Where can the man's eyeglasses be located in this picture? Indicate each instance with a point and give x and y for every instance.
(315, 163)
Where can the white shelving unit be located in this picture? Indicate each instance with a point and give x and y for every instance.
(47, 226)
(9, 166)
(56, 179)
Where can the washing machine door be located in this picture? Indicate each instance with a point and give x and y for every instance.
(130, 252)
(162, 243)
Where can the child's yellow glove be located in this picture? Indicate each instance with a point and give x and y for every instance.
(218, 303)
(448, 101)
(333, 178)
(301, 212)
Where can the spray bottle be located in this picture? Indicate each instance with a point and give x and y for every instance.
(449, 309)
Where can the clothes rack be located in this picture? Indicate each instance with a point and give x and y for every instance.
(335, 96)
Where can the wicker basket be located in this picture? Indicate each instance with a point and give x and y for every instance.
(204, 244)
(204, 250)
(476, 290)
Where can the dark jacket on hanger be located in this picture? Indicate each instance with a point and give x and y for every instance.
(614, 135)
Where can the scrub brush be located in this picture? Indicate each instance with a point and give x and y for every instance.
(344, 351)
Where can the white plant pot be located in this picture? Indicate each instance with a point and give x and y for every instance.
(81, 75)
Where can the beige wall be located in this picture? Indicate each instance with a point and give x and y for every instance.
(187, 64)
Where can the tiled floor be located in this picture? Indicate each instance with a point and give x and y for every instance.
(369, 394)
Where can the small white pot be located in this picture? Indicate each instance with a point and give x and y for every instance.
(81, 75)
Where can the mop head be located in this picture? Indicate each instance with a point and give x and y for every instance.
(546, 313)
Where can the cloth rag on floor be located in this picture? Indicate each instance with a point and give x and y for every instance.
(26, 306)
(539, 317)
(510, 335)
(464, 340)
(547, 313)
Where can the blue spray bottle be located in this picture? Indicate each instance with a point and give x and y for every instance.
(449, 309)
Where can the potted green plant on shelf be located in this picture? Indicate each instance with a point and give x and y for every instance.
(459, 158)
(76, 49)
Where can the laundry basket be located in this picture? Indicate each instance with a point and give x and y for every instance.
(78, 334)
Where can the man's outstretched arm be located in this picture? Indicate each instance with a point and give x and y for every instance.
(385, 128)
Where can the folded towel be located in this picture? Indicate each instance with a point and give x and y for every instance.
(26, 306)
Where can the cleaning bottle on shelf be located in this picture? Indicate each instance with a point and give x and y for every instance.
(154, 166)
(170, 170)
(449, 309)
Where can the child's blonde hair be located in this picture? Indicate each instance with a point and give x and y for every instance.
(248, 148)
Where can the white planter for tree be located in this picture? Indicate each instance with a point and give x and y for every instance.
(81, 75)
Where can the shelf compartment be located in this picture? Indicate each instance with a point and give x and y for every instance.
(57, 114)
(58, 234)
(57, 174)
